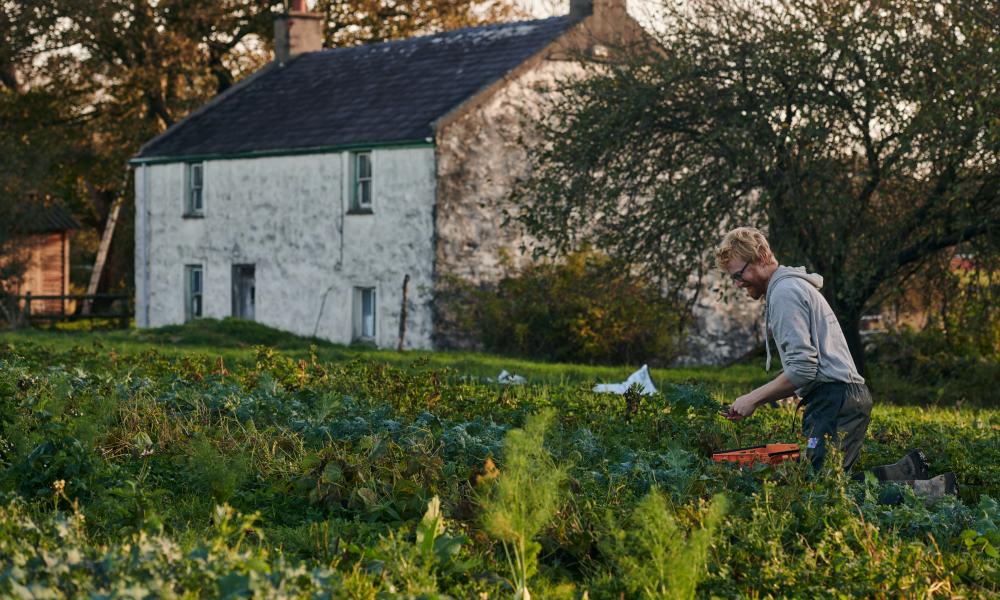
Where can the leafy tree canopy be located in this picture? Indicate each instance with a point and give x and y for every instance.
(863, 136)
(84, 83)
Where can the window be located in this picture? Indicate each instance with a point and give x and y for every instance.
(364, 314)
(194, 202)
(193, 288)
(361, 194)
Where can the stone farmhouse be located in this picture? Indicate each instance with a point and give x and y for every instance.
(332, 192)
(304, 196)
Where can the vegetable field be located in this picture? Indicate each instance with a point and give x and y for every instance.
(140, 472)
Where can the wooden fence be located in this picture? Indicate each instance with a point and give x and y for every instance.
(75, 307)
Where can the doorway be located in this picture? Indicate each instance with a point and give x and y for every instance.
(244, 291)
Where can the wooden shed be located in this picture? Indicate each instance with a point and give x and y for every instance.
(46, 246)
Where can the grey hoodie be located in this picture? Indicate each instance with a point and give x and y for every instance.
(810, 342)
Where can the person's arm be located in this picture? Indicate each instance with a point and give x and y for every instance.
(776, 389)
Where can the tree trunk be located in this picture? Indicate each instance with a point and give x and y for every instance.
(850, 323)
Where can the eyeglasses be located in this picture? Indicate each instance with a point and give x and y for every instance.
(738, 275)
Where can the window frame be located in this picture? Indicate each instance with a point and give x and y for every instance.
(357, 180)
(190, 210)
(190, 293)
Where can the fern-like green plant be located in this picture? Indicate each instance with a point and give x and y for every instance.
(655, 558)
(523, 499)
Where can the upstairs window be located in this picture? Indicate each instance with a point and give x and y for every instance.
(361, 179)
(193, 289)
(194, 205)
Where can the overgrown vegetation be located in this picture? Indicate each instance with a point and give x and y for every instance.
(281, 476)
(925, 368)
(584, 308)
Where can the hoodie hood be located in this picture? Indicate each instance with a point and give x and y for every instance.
(784, 273)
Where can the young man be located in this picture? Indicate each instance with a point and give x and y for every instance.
(816, 362)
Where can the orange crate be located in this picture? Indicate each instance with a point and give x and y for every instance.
(769, 454)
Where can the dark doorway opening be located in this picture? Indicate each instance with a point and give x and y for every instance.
(244, 291)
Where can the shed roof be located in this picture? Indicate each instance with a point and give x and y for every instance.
(374, 94)
(47, 218)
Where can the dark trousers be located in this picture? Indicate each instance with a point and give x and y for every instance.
(838, 412)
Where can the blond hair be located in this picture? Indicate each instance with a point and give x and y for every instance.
(743, 243)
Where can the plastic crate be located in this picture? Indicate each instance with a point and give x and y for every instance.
(768, 454)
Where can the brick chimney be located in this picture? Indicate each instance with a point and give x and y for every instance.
(296, 32)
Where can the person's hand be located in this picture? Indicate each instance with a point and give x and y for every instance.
(742, 408)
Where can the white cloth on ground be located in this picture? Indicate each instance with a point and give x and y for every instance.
(641, 377)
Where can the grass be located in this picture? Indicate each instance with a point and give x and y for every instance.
(234, 340)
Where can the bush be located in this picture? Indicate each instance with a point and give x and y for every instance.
(924, 367)
(585, 309)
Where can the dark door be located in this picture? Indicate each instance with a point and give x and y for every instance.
(244, 291)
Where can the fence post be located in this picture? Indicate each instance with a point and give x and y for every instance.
(402, 314)
(27, 308)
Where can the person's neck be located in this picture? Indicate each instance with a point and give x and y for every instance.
(769, 272)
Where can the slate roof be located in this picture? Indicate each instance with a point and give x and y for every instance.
(379, 93)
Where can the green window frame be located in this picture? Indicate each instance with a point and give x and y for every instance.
(194, 190)
(361, 181)
(194, 291)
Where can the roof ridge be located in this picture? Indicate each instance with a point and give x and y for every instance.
(427, 36)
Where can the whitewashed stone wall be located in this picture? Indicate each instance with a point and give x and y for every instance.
(727, 324)
(480, 157)
(288, 216)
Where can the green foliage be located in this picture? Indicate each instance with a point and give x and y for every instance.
(654, 557)
(415, 569)
(926, 368)
(53, 557)
(213, 473)
(340, 475)
(969, 311)
(524, 498)
(585, 308)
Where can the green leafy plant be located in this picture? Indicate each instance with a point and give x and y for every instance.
(214, 472)
(414, 570)
(524, 498)
(654, 556)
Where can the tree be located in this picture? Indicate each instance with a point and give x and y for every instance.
(84, 83)
(864, 137)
